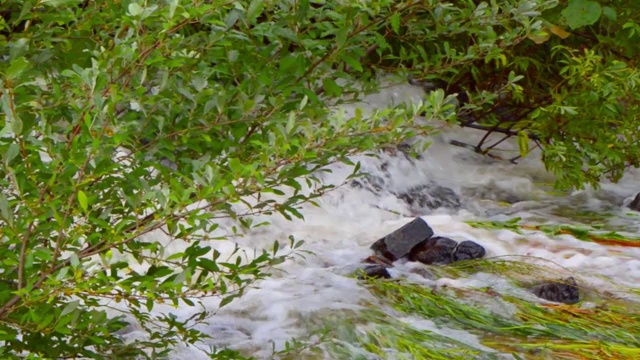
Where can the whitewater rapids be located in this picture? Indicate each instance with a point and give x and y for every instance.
(349, 219)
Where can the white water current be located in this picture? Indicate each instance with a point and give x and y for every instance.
(349, 219)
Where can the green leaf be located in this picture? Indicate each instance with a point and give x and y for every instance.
(291, 122)
(331, 88)
(16, 68)
(74, 260)
(581, 13)
(82, 199)
(395, 22)
(609, 13)
(70, 307)
(341, 36)
(353, 63)
(4, 209)
(523, 143)
(173, 4)
(235, 165)
(226, 301)
(209, 265)
(303, 103)
(13, 121)
(18, 48)
(135, 9)
(11, 153)
(57, 3)
(254, 10)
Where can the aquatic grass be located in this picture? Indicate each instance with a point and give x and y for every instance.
(385, 337)
(565, 349)
(582, 216)
(495, 320)
(560, 331)
(583, 233)
(526, 271)
(511, 265)
(500, 320)
(611, 238)
(375, 334)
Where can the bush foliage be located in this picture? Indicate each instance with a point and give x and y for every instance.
(123, 120)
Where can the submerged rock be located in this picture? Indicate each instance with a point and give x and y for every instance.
(400, 242)
(468, 250)
(563, 292)
(437, 250)
(375, 184)
(495, 192)
(375, 271)
(430, 196)
(635, 204)
(378, 260)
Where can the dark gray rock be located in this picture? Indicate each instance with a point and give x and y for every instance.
(430, 196)
(374, 271)
(437, 250)
(563, 292)
(400, 242)
(635, 204)
(611, 197)
(468, 250)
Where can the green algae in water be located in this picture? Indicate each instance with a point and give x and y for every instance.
(534, 330)
(599, 234)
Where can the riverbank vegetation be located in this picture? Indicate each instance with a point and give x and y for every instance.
(128, 122)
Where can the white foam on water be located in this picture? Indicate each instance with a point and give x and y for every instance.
(349, 219)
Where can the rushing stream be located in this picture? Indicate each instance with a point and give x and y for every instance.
(306, 291)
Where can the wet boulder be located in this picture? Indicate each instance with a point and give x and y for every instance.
(635, 203)
(400, 242)
(562, 292)
(437, 250)
(468, 250)
(430, 196)
(441, 251)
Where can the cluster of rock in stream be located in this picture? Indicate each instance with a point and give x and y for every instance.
(415, 241)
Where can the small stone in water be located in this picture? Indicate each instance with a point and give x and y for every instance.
(437, 250)
(635, 204)
(375, 271)
(563, 292)
(400, 242)
(378, 260)
(468, 250)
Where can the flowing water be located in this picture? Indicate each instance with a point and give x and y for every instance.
(306, 291)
